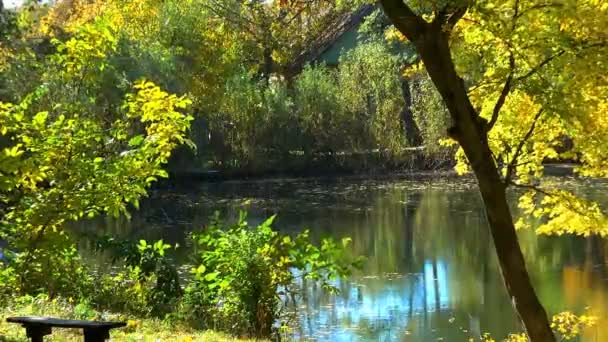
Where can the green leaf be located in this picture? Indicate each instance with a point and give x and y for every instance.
(211, 276)
(40, 118)
(200, 269)
(136, 140)
(346, 241)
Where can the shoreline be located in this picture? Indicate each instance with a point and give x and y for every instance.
(185, 178)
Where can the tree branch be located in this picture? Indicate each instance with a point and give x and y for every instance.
(520, 146)
(507, 87)
(536, 188)
(531, 187)
(456, 16)
(226, 13)
(539, 66)
(538, 6)
(402, 16)
(503, 94)
(450, 17)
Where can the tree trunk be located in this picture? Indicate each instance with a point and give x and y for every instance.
(469, 131)
(412, 132)
(432, 43)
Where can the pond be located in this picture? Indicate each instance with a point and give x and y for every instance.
(431, 273)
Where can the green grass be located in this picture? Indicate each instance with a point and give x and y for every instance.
(140, 330)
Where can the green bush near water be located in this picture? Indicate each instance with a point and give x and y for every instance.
(244, 273)
(79, 143)
(240, 277)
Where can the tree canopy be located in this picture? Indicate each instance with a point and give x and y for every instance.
(521, 80)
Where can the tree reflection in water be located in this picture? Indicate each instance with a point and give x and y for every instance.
(431, 271)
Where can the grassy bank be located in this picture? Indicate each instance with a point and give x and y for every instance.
(137, 329)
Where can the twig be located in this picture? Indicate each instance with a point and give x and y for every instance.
(538, 6)
(503, 94)
(520, 146)
(539, 66)
(547, 193)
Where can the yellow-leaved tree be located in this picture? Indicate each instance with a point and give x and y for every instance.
(67, 155)
(524, 82)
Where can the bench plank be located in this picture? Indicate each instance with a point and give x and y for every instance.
(37, 327)
(64, 323)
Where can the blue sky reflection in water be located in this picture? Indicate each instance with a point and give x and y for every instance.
(385, 314)
(431, 272)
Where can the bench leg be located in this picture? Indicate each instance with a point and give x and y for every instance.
(96, 335)
(36, 333)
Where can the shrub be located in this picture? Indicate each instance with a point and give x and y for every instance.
(70, 155)
(431, 116)
(149, 283)
(319, 112)
(242, 272)
(373, 68)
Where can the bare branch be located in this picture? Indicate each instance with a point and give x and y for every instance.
(539, 6)
(515, 15)
(520, 146)
(507, 87)
(456, 16)
(531, 187)
(540, 66)
(402, 16)
(503, 94)
(227, 13)
(450, 16)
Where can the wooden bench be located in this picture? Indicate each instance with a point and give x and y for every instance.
(38, 327)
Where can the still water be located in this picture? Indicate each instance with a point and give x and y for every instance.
(431, 273)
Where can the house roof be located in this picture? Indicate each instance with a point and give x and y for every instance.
(344, 23)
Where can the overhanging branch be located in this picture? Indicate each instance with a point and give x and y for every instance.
(503, 94)
(539, 7)
(571, 206)
(520, 146)
(507, 87)
(540, 65)
(450, 16)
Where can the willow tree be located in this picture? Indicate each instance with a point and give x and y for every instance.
(519, 79)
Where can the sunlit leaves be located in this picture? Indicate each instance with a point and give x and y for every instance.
(246, 270)
(550, 59)
(569, 325)
(165, 125)
(562, 212)
(63, 163)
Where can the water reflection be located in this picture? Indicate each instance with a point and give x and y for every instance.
(431, 272)
(375, 307)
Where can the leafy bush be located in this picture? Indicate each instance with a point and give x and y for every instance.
(375, 69)
(148, 284)
(324, 112)
(70, 155)
(242, 272)
(431, 116)
(319, 112)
